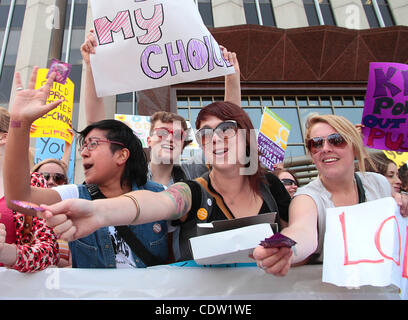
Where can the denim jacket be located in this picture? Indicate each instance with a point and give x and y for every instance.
(96, 250)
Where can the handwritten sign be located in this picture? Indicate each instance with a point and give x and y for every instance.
(400, 158)
(385, 114)
(46, 148)
(58, 122)
(366, 244)
(150, 43)
(141, 128)
(272, 139)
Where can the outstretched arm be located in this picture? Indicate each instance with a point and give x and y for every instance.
(77, 218)
(94, 106)
(302, 228)
(28, 105)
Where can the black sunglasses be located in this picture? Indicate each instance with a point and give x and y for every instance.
(59, 178)
(314, 145)
(288, 182)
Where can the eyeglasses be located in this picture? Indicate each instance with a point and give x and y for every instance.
(94, 143)
(224, 130)
(162, 133)
(59, 178)
(288, 182)
(314, 145)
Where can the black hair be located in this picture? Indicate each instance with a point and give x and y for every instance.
(136, 165)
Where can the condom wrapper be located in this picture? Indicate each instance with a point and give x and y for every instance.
(278, 240)
(27, 205)
(61, 69)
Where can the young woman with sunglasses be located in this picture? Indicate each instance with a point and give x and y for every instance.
(53, 170)
(228, 140)
(288, 179)
(333, 143)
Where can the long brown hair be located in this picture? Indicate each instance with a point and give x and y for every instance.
(225, 110)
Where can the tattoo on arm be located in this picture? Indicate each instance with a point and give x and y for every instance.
(180, 195)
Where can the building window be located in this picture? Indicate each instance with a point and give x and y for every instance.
(259, 12)
(378, 13)
(293, 109)
(319, 12)
(126, 103)
(11, 22)
(205, 8)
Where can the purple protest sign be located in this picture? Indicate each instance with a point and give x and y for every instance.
(270, 152)
(385, 116)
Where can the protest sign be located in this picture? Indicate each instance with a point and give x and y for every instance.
(58, 122)
(366, 244)
(141, 128)
(46, 148)
(272, 139)
(400, 158)
(385, 115)
(149, 43)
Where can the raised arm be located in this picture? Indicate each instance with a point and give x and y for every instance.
(28, 105)
(94, 106)
(232, 81)
(77, 218)
(302, 228)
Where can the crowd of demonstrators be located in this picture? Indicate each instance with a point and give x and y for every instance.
(333, 143)
(113, 160)
(225, 132)
(27, 244)
(168, 135)
(123, 189)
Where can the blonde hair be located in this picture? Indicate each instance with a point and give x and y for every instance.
(61, 163)
(347, 130)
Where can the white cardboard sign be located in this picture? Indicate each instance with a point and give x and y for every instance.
(366, 244)
(145, 44)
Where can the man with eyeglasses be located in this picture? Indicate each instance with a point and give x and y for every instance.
(112, 159)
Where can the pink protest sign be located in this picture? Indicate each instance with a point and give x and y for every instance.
(385, 116)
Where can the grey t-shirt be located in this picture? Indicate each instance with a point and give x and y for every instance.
(376, 186)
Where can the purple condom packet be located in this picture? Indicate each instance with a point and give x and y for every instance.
(61, 69)
(278, 240)
(27, 205)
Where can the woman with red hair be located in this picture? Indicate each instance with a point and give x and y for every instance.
(236, 178)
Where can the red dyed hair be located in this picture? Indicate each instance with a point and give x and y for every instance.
(225, 110)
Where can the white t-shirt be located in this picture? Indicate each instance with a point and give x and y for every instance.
(123, 253)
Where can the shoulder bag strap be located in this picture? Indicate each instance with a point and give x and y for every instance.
(218, 200)
(137, 247)
(124, 231)
(360, 189)
(178, 174)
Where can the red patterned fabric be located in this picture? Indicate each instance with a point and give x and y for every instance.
(38, 249)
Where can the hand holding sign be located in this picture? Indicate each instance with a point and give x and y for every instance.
(145, 44)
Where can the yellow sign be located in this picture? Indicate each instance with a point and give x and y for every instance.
(58, 122)
(275, 128)
(400, 158)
